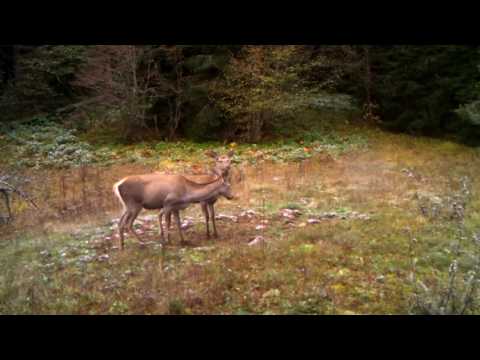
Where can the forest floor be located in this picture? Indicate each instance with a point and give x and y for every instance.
(345, 232)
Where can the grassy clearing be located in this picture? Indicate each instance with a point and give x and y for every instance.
(376, 209)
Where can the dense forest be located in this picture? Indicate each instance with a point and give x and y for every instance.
(302, 179)
(240, 92)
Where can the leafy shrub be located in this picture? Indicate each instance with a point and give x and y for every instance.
(46, 143)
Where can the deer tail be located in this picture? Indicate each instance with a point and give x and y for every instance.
(118, 195)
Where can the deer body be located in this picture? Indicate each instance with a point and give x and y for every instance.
(170, 193)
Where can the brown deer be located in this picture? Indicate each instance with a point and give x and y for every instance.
(221, 168)
(170, 193)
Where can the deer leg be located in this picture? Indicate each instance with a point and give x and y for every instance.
(176, 213)
(168, 218)
(212, 215)
(120, 223)
(160, 216)
(132, 218)
(121, 227)
(205, 214)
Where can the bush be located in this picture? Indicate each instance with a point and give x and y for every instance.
(43, 142)
(458, 293)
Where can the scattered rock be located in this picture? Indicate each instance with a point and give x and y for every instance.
(329, 215)
(257, 241)
(103, 257)
(149, 218)
(85, 258)
(188, 222)
(227, 217)
(313, 221)
(408, 172)
(380, 278)
(343, 215)
(260, 227)
(289, 213)
(248, 213)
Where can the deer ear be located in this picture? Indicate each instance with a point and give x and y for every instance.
(211, 154)
(230, 153)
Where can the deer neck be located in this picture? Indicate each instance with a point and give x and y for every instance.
(200, 192)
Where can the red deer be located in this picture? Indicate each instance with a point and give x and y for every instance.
(170, 193)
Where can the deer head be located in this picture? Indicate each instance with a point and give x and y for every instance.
(222, 162)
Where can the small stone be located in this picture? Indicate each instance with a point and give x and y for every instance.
(313, 221)
(257, 240)
(260, 227)
(186, 224)
(330, 215)
(289, 213)
(103, 257)
(85, 258)
(226, 217)
(248, 213)
(150, 218)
